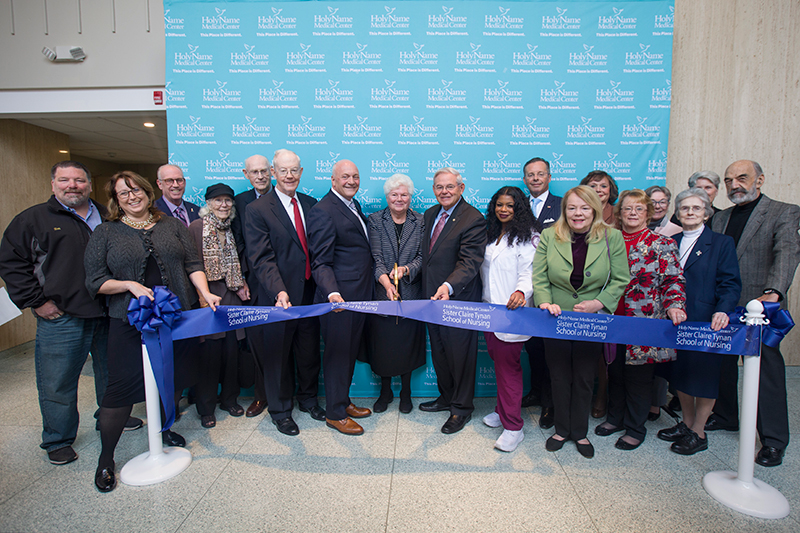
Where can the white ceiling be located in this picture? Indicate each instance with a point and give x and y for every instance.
(119, 137)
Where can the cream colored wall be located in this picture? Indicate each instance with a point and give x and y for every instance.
(736, 95)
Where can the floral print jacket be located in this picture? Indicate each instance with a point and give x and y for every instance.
(657, 284)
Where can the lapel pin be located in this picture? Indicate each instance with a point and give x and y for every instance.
(699, 253)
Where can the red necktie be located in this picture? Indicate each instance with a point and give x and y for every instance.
(438, 229)
(301, 234)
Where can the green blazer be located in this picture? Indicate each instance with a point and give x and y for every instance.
(552, 267)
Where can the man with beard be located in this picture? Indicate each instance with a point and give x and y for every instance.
(768, 249)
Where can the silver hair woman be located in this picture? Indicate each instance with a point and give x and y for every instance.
(707, 180)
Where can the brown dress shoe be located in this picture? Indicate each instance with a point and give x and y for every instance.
(348, 426)
(256, 408)
(357, 412)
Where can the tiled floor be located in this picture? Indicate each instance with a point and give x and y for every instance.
(402, 475)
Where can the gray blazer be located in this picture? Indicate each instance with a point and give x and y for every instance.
(383, 241)
(769, 248)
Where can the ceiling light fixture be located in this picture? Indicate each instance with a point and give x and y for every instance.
(72, 54)
(63, 151)
(149, 125)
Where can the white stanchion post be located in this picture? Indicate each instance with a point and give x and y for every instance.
(741, 492)
(159, 463)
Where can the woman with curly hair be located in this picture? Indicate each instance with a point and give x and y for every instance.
(513, 234)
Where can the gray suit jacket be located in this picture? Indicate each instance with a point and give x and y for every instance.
(383, 241)
(769, 248)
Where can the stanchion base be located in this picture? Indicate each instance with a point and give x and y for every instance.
(755, 499)
(146, 469)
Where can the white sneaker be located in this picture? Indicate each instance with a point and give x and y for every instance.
(509, 440)
(492, 420)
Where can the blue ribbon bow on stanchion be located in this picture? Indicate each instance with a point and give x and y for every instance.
(155, 319)
(780, 322)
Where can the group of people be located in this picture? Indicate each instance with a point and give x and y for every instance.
(596, 250)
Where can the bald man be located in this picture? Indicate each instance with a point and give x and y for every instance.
(172, 185)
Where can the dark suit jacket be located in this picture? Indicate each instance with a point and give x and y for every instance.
(712, 276)
(769, 248)
(551, 210)
(241, 201)
(274, 249)
(457, 255)
(191, 209)
(341, 259)
(385, 251)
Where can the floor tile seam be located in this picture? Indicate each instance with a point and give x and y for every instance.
(391, 476)
(17, 493)
(576, 491)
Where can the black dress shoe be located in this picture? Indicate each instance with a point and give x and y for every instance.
(652, 417)
(105, 479)
(234, 410)
(433, 406)
(713, 424)
(690, 444)
(406, 406)
(674, 404)
(547, 418)
(316, 412)
(586, 450)
(455, 423)
(769, 456)
(531, 399)
(605, 432)
(625, 445)
(381, 404)
(553, 444)
(673, 434)
(287, 426)
(170, 438)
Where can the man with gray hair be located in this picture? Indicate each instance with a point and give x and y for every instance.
(768, 249)
(172, 184)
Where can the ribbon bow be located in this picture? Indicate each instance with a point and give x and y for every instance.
(155, 319)
(780, 322)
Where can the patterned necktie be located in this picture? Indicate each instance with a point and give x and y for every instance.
(352, 206)
(301, 234)
(180, 214)
(536, 209)
(438, 230)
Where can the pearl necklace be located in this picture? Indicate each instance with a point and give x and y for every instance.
(137, 225)
(632, 237)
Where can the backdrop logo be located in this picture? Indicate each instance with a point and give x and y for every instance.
(172, 23)
(332, 20)
(587, 58)
(665, 21)
(367, 201)
(389, 165)
(614, 94)
(501, 166)
(503, 21)
(559, 94)
(418, 56)
(333, 93)
(249, 58)
(174, 95)
(361, 130)
(277, 93)
(585, 130)
(446, 93)
(641, 129)
(304, 57)
(305, 130)
(529, 130)
(222, 165)
(389, 19)
(445, 161)
(183, 165)
(418, 130)
(390, 93)
(617, 21)
(474, 198)
(662, 94)
(221, 94)
(612, 166)
(361, 57)
(643, 57)
(325, 166)
(193, 58)
(559, 166)
(474, 57)
(658, 165)
(446, 20)
(560, 21)
(249, 130)
(276, 21)
(532, 58)
(502, 93)
(420, 201)
(474, 130)
(220, 21)
(194, 129)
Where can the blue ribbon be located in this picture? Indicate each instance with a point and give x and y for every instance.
(780, 322)
(156, 320)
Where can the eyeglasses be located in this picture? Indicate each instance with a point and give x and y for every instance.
(173, 181)
(222, 201)
(692, 208)
(123, 195)
(286, 171)
(259, 172)
(639, 209)
(661, 203)
(448, 188)
(540, 175)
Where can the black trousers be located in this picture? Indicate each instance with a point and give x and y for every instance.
(773, 411)
(572, 369)
(540, 374)
(454, 353)
(630, 390)
(344, 334)
(219, 363)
